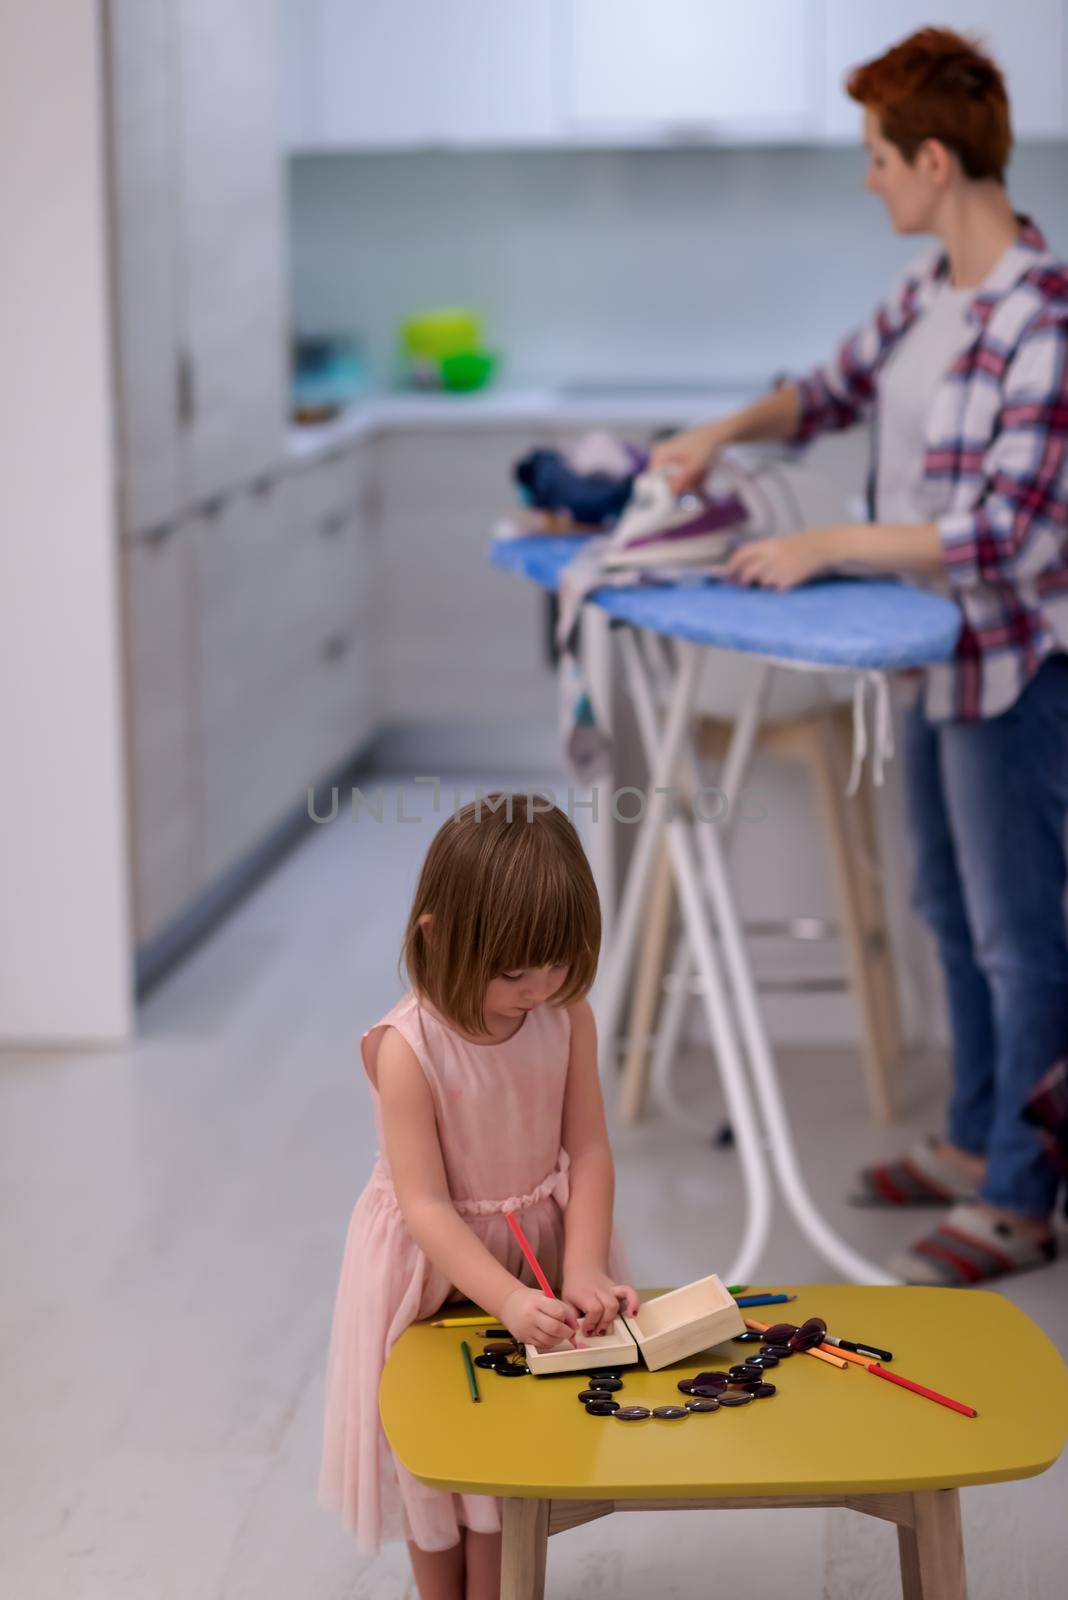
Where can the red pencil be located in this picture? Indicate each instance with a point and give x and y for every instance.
(543, 1282)
(917, 1388)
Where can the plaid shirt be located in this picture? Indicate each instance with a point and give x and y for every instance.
(996, 457)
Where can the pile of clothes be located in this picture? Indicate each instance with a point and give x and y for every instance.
(589, 481)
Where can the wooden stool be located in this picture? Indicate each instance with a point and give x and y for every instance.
(819, 740)
(827, 1438)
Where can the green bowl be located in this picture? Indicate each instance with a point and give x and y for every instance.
(469, 369)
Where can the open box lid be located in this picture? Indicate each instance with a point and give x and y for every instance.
(673, 1326)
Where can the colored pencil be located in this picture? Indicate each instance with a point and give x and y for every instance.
(737, 1288)
(469, 1368)
(821, 1355)
(846, 1355)
(461, 1322)
(918, 1388)
(763, 1299)
(543, 1282)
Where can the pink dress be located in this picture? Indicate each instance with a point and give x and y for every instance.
(499, 1112)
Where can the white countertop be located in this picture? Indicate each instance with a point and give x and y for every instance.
(564, 404)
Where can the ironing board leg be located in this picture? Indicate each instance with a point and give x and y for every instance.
(662, 762)
(740, 1085)
(674, 1009)
(735, 770)
(765, 1077)
(699, 935)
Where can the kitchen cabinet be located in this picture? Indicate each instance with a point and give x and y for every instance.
(143, 103)
(236, 297)
(283, 598)
(689, 68)
(248, 670)
(1028, 40)
(157, 583)
(456, 641)
(403, 73)
(197, 221)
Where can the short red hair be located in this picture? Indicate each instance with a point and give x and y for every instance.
(936, 84)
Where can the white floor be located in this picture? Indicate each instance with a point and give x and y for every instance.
(169, 1241)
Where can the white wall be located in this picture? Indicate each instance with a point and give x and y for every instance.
(64, 941)
(695, 264)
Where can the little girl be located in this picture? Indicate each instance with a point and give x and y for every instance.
(486, 1100)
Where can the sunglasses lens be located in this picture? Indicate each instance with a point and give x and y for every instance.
(810, 1333)
(780, 1333)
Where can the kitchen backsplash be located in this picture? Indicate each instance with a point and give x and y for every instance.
(696, 265)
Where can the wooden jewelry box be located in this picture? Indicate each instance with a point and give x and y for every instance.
(669, 1327)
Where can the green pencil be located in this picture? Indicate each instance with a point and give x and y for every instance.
(469, 1368)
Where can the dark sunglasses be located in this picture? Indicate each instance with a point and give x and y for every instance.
(792, 1337)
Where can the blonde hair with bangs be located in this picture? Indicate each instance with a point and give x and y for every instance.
(507, 884)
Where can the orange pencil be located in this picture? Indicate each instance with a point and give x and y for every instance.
(543, 1282)
(821, 1355)
(846, 1355)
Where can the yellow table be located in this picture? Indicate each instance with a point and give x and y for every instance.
(827, 1438)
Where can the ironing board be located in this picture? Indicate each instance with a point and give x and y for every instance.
(861, 627)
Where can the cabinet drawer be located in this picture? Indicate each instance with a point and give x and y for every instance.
(336, 712)
(161, 707)
(335, 485)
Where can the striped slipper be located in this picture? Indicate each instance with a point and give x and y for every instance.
(923, 1177)
(970, 1247)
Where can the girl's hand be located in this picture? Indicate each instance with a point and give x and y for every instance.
(780, 563)
(598, 1299)
(687, 457)
(533, 1318)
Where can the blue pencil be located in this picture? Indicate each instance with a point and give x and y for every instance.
(764, 1299)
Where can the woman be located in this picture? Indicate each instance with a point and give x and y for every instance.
(964, 372)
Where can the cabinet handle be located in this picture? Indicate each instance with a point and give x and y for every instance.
(336, 646)
(186, 395)
(334, 524)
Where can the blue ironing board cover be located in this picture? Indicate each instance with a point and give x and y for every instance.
(835, 622)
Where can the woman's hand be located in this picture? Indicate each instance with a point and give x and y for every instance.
(781, 563)
(598, 1299)
(532, 1318)
(687, 457)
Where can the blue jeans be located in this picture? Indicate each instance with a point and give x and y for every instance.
(987, 804)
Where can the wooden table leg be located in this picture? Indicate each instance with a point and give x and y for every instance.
(932, 1551)
(524, 1541)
